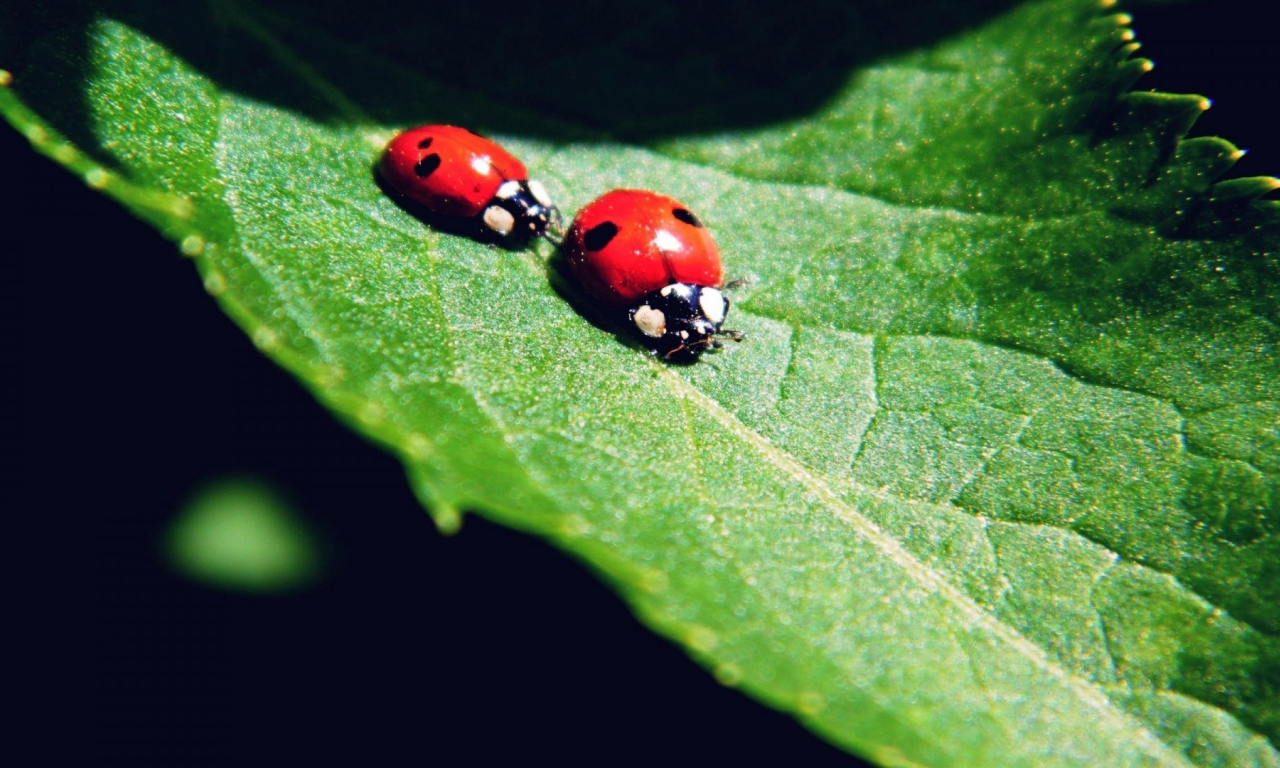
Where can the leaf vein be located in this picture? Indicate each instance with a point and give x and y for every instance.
(900, 557)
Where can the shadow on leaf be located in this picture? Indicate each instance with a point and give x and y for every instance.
(642, 72)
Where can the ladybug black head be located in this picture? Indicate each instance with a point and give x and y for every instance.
(520, 210)
(682, 320)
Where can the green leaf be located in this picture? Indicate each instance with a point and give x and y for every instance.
(992, 479)
(240, 534)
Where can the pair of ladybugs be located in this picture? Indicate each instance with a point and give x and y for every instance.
(636, 251)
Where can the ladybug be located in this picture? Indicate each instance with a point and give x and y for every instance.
(453, 172)
(648, 254)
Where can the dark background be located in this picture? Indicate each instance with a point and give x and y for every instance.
(126, 388)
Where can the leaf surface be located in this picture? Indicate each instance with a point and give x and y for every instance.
(993, 478)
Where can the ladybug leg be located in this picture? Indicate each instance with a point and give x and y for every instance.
(672, 353)
(737, 282)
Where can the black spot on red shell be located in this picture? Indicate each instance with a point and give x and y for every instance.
(425, 142)
(427, 165)
(599, 236)
(686, 216)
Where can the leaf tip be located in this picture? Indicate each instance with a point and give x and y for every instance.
(191, 245)
(891, 757)
(727, 674)
(1244, 189)
(654, 582)
(96, 178)
(328, 377)
(810, 702)
(702, 639)
(215, 284)
(36, 134)
(65, 154)
(417, 446)
(371, 414)
(444, 513)
(575, 527)
(448, 519)
(266, 339)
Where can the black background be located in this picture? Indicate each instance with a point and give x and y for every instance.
(126, 388)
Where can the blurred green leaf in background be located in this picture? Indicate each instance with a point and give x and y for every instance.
(240, 534)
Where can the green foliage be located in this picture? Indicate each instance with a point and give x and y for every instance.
(239, 534)
(992, 480)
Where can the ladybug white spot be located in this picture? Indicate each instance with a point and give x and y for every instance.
(481, 165)
(679, 289)
(539, 192)
(507, 190)
(665, 241)
(713, 305)
(650, 321)
(499, 220)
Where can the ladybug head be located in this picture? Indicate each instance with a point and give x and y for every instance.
(682, 320)
(520, 210)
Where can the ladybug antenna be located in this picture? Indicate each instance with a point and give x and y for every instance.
(710, 342)
(554, 233)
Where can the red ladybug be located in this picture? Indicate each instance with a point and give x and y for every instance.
(453, 172)
(649, 253)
